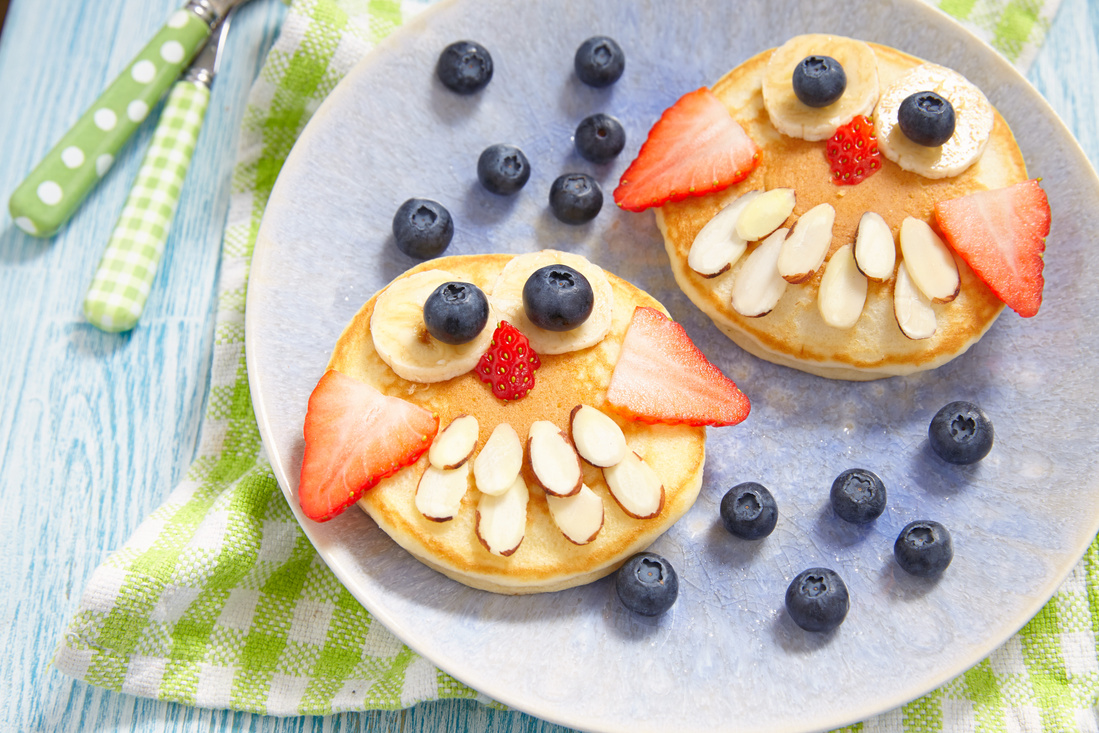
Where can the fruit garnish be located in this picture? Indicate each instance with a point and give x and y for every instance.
(852, 152)
(696, 147)
(817, 599)
(662, 377)
(926, 118)
(575, 198)
(749, 511)
(599, 138)
(961, 433)
(1001, 235)
(503, 169)
(647, 584)
(924, 548)
(354, 437)
(464, 67)
(972, 128)
(599, 61)
(819, 80)
(509, 364)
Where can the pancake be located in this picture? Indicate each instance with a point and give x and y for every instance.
(545, 560)
(794, 334)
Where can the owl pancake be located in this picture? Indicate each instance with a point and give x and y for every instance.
(545, 491)
(904, 300)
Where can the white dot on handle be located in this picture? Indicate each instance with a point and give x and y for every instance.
(143, 71)
(72, 157)
(172, 52)
(103, 164)
(178, 19)
(136, 110)
(26, 225)
(50, 193)
(105, 119)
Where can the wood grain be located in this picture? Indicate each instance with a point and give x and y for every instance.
(96, 429)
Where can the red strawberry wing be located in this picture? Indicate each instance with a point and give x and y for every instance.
(354, 437)
(1001, 236)
(661, 376)
(694, 148)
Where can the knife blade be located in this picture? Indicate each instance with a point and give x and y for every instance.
(120, 288)
(53, 191)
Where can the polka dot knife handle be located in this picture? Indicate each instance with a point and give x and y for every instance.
(54, 190)
(117, 295)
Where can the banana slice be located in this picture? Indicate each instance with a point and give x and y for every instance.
(789, 115)
(401, 338)
(972, 124)
(507, 297)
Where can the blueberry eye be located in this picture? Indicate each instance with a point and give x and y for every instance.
(819, 81)
(926, 118)
(557, 298)
(456, 312)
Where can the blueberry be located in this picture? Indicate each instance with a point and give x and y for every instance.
(819, 81)
(600, 138)
(423, 228)
(503, 169)
(647, 584)
(599, 61)
(926, 118)
(456, 312)
(924, 548)
(749, 511)
(557, 298)
(817, 599)
(858, 496)
(961, 433)
(575, 198)
(464, 67)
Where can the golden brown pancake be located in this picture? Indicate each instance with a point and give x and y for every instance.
(794, 333)
(545, 560)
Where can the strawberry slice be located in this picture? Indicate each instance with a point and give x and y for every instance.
(662, 377)
(354, 437)
(509, 364)
(694, 148)
(852, 152)
(1001, 235)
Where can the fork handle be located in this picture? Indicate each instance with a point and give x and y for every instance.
(46, 199)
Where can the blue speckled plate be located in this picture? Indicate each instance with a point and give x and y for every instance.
(726, 657)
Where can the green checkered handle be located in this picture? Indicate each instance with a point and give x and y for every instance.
(54, 190)
(121, 285)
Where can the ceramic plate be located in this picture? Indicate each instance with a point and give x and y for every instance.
(726, 656)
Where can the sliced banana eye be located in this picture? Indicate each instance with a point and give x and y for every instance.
(790, 114)
(508, 299)
(973, 120)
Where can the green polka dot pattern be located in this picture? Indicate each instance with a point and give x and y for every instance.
(54, 190)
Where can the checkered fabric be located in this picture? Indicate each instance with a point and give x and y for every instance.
(219, 600)
(121, 285)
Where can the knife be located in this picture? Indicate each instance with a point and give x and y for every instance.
(117, 295)
(54, 189)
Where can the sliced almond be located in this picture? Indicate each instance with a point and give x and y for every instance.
(930, 263)
(913, 310)
(875, 250)
(440, 491)
(553, 459)
(805, 247)
(758, 285)
(635, 486)
(765, 213)
(842, 291)
(502, 519)
(579, 517)
(716, 246)
(455, 443)
(597, 437)
(499, 462)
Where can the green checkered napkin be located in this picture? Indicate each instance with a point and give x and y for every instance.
(219, 600)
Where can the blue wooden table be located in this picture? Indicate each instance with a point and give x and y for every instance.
(96, 429)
